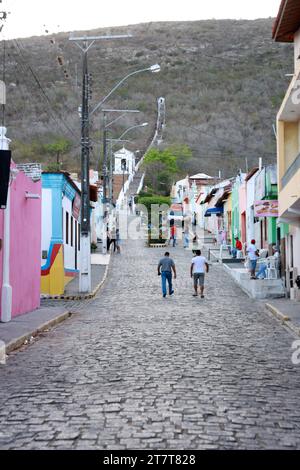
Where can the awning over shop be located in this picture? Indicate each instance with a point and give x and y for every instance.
(214, 210)
(223, 199)
(210, 195)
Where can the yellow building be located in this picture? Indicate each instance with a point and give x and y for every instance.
(287, 29)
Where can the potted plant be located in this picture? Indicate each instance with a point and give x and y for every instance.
(93, 247)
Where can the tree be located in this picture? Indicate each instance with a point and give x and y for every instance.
(163, 166)
(59, 147)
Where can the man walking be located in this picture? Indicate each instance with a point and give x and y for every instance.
(165, 267)
(173, 235)
(198, 266)
(112, 238)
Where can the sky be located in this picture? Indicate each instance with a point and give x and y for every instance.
(37, 17)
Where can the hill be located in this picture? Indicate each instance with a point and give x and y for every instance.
(223, 81)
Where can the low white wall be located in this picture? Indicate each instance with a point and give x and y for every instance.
(256, 289)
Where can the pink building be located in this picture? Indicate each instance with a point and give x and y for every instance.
(25, 240)
(243, 211)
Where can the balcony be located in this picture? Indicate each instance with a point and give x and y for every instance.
(292, 170)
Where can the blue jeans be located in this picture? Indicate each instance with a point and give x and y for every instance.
(186, 240)
(166, 276)
(253, 263)
(262, 271)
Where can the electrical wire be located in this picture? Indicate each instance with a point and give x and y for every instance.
(55, 116)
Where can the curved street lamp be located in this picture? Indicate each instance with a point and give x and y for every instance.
(154, 69)
(133, 127)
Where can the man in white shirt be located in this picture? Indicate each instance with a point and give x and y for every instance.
(198, 267)
(253, 257)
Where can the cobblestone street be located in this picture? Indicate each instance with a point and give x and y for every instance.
(131, 370)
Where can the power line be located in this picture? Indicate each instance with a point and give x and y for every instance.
(26, 98)
(44, 93)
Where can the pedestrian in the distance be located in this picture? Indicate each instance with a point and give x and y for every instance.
(112, 238)
(186, 231)
(165, 267)
(198, 267)
(253, 254)
(130, 206)
(173, 235)
(118, 241)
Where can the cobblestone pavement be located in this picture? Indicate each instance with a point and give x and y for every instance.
(131, 370)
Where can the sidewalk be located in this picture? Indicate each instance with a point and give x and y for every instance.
(287, 311)
(260, 289)
(25, 327)
(99, 271)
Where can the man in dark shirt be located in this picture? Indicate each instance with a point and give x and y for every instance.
(165, 267)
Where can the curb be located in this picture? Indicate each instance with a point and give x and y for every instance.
(81, 296)
(157, 245)
(18, 342)
(285, 319)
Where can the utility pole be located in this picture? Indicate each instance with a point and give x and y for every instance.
(105, 181)
(111, 174)
(123, 166)
(85, 228)
(107, 172)
(85, 271)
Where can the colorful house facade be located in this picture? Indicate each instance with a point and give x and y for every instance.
(287, 30)
(22, 274)
(229, 208)
(60, 232)
(236, 224)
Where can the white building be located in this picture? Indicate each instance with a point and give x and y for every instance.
(129, 158)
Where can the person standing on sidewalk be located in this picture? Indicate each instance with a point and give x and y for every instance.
(198, 267)
(112, 238)
(253, 254)
(165, 267)
(186, 231)
(118, 240)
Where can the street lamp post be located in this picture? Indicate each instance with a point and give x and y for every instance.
(105, 159)
(107, 125)
(85, 235)
(105, 176)
(154, 69)
(85, 267)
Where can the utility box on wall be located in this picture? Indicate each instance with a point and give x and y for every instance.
(5, 159)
